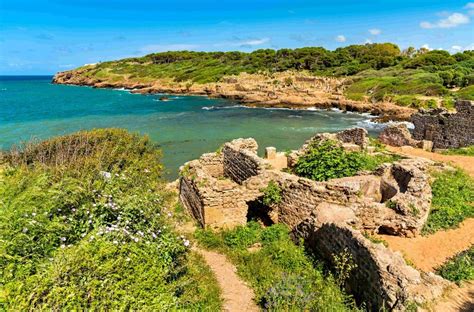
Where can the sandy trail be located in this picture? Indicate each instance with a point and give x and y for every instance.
(429, 252)
(465, 162)
(236, 294)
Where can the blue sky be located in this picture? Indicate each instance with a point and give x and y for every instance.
(43, 37)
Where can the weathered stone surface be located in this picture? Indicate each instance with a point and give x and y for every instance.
(381, 278)
(445, 129)
(397, 135)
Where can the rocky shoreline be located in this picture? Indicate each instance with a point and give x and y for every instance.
(254, 91)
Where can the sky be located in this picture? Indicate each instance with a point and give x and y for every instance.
(44, 37)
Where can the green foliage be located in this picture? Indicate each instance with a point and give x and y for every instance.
(271, 194)
(326, 160)
(466, 93)
(380, 71)
(453, 200)
(343, 266)
(465, 151)
(283, 277)
(82, 228)
(459, 268)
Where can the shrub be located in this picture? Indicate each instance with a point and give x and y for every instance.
(77, 237)
(453, 197)
(459, 268)
(271, 194)
(326, 160)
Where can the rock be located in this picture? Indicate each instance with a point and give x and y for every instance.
(397, 135)
(446, 129)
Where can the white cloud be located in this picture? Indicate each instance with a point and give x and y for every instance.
(341, 38)
(450, 21)
(152, 48)
(254, 42)
(368, 41)
(469, 5)
(456, 48)
(375, 31)
(66, 66)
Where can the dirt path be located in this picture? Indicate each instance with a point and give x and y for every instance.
(465, 162)
(236, 294)
(429, 252)
(459, 299)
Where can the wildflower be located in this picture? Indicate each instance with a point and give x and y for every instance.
(90, 221)
(106, 175)
(63, 239)
(128, 259)
(34, 214)
(83, 234)
(115, 242)
(63, 246)
(153, 235)
(186, 243)
(146, 171)
(25, 230)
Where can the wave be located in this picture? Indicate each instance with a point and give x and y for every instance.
(294, 116)
(369, 124)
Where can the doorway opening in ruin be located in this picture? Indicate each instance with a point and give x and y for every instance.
(259, 212)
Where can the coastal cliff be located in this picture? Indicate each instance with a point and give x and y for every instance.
(285, 89)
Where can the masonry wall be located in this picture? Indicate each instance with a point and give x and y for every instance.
(446, 130)
(239, 165)
(189, 196)
(381, 276)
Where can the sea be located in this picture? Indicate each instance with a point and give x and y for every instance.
(184, 127)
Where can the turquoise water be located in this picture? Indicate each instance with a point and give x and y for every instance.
(184, 127)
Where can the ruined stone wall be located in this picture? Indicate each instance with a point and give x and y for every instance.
(241, 161)
(189, 196)
(381, 279)
(446, 130)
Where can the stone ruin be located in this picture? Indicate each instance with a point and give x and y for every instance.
(445, 129)
(224, 190)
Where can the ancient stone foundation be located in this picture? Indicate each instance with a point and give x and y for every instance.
(445, 129)
(224, 189)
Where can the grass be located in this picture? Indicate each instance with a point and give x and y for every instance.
(460, 268)
(83, 227)
(453, 200)
(283, 277)
(464, 151)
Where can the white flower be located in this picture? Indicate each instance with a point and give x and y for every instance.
(34, 214)
(115, 242)
(106, 175)
(25, 230)
(128, 259)
(63, 246)
(186, 243)
(63, 239)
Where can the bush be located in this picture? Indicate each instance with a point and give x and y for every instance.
(271, 194)
(459, 268)
(77, 237)
(326, 160)
(453, 197)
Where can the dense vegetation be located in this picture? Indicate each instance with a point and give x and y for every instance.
(380, 71)
(453, 200)
(283, 277)
(83, 226)
(326, 160)
(459, 268)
